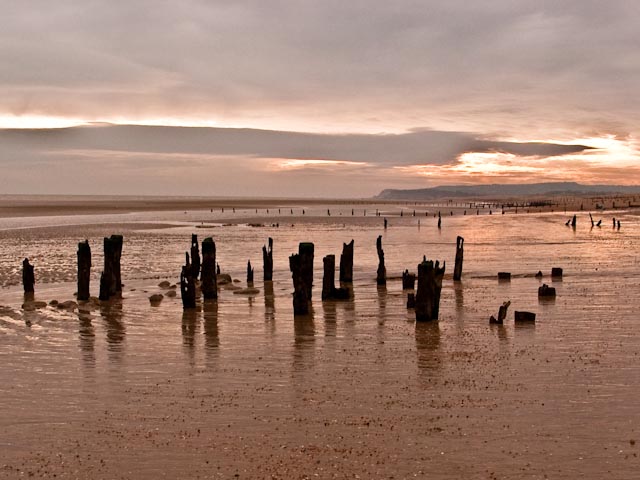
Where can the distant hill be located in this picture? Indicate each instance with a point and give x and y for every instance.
(500, 190)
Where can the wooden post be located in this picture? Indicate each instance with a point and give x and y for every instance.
(457, 269)
(195, 257)
(187, 285)
(300, 299)
(305, 250)
(328, 278)
(381, 278)
(84, 270)
(267, 260)
(346, 263)
(502, 314)
(408, 280)
(428, 293)
(209, 283)
(110, 279)
(574, 221)
(28, 277)
(249, 273)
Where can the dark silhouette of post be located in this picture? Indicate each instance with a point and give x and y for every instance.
(427, 301)
(209, 283)
(267, 260)
(301, 266)
(187, 285)
(110, 279)
(84, 270)
(408, 280)
(457, 269)
(28, 276)
(195, 256)
(574, 221)
(346, 263)
(306, 250)
(249, 273)
(381, 278)
(502, 314)
(329, 290)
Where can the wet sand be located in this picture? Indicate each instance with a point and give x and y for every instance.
(241, 389)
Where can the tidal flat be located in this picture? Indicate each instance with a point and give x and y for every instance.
(242, 388)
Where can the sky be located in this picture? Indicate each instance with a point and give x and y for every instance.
(315, 98)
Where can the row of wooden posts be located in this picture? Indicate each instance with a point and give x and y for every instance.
(426, 299)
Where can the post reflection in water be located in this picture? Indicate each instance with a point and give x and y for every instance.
(189, 329)
(87, 337)
(211, 332)
(111, 312)
(304, 340)
(428, 348)
(330, 318)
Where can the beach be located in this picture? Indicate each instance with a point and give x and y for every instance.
(242, 388)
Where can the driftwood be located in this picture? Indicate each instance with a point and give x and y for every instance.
(457, 269)
(187, 285)
(267, 260)
(524, 316)
(381, 277)
(195, 257)
(329, 290)
(209, 284)
(28, 276)
(502, 314)
(110, 279)
(84, 270)
(408, 280)
(346, 263)
(249, 273)
(429, 288)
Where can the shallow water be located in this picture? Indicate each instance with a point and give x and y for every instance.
(240, 387)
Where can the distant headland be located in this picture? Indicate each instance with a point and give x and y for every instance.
(506, 190)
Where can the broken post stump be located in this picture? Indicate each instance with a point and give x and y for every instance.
(28, 276)
(556, 272)
(300, 299)
(411, 300)
(84, 270)
(110, 279)
(195, 256)
(429, 288)
(524, 316)
(574, 221)
(267, 260)
(381, 277)
(249, 273)
(306, 250)
(546, 291)
(457, 269)
(502, 314)
(209, 282)
(504, 276)
(329, 290)
(346, 263)
(187, 285)
(408, 280)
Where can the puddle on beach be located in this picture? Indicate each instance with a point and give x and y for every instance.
(241, 387)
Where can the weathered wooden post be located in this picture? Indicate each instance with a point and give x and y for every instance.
(408, 280)
(502, 314)
(329, 290)
(305, 250)
(187, 285)
(381, 278)
(457, 269)
(195, 256)
(427, 302)
(28, 277)
(111, 280)
(84, 270)
(328, 278)
(267, 260)
(249, 273)
(300, 299)
(209, 283)
(346, 263)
